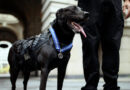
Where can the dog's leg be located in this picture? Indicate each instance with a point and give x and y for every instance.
(13, 77)
(44, 76)
(26, 78)
(61, 75)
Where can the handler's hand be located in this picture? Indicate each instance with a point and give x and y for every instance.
(126, 8)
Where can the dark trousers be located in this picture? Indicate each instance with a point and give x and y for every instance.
(108, 30)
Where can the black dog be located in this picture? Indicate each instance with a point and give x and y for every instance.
(47, 56)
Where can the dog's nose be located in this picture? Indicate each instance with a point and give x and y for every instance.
(86, 14)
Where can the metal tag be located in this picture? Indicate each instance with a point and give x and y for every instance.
(60, 55)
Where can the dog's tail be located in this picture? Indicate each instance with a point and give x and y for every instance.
(12, 57)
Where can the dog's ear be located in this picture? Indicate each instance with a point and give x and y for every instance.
(59, 13)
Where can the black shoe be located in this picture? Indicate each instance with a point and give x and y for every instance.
(111, 88)
(88, 88)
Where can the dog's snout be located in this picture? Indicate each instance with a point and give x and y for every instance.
(86, 14)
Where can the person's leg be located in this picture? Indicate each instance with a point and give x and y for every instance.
(111, 38)
(110, 64)
(90, 58)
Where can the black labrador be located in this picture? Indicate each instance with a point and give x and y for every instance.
(48, 57)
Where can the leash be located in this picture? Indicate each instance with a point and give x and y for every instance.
(57, 45)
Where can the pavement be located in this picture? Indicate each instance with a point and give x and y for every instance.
(69, 84)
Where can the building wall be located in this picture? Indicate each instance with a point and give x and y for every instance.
(75, 62)
(125, 49)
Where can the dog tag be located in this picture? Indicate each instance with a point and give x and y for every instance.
(60, 55)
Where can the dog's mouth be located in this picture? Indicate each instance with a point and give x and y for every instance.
(78, 28)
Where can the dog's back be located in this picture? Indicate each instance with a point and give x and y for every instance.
(25, 50)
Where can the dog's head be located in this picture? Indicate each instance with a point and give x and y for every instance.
(72, 16)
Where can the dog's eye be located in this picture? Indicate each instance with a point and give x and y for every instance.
(75, 8)
(66, 10)
(69, 11)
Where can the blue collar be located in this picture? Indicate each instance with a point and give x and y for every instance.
(56, 42)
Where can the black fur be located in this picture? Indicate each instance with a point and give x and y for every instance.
(46, 57)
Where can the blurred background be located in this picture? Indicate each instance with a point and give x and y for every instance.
(20, 19)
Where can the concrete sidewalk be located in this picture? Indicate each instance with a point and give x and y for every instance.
(69, 84)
